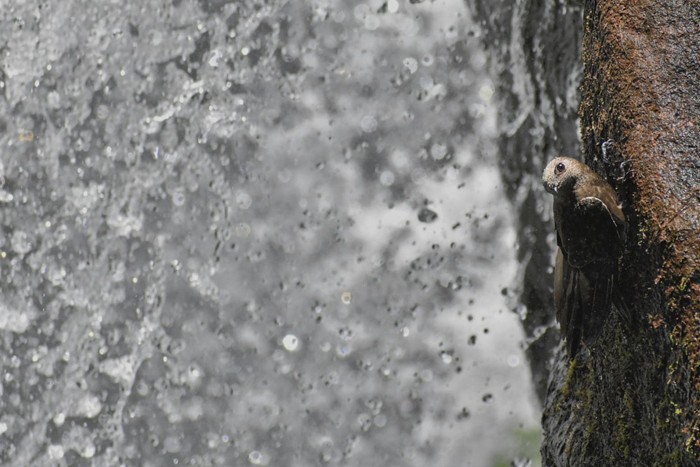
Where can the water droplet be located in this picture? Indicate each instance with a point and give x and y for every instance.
(343, 350)
(59, 419)
(364, 421)
(214, 59)
(521, 462)
(21, 242)
(245, 51)
(53, 100)
(178, 197)
(243, 200)
(380, 420)
(338, 16)
(387, 178)
(427, 215)
(426, 82)
(446, 358)
(345, 333)
(55, 451)
(371, 22)
(418, 175)
(255, 457)
(486, 92)
(102, 112)
(15, 320)
(56, 275)
(329, 453)
(411, 64)
(513, 360)
(361, 11)
(89, 406)
(445, 279)
(332, 378)
(368, 123)
(242, 230)
(88, 451)
(438, 151)
(392, 6)
(290, 342)
(172, 444)
(346, 297)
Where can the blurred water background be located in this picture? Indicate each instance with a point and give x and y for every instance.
(260, 233)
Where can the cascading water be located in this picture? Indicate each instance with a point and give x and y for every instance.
(274, 233)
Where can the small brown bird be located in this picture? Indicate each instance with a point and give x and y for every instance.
(591, 232)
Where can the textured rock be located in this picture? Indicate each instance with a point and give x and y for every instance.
(633, 399)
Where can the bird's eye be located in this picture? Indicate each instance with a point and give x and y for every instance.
(560, 168)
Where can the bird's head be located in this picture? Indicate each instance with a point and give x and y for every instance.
(561, 174)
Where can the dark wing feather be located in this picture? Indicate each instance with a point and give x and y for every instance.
(562, 280)
(582, 304)
(589, 239)
(601, 197)
(578, 291)
(598, 290)
(567, 301)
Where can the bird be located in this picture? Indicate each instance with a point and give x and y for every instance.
(591, 231)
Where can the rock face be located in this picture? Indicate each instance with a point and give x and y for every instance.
(633, 398)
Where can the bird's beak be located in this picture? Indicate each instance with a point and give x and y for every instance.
(550, 187)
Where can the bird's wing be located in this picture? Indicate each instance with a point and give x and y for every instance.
(599, 193)
(568, 301)
(611, 209)
(562, 277)
(596, 288)
(582, 303)
(585, 270)
(589, 233)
